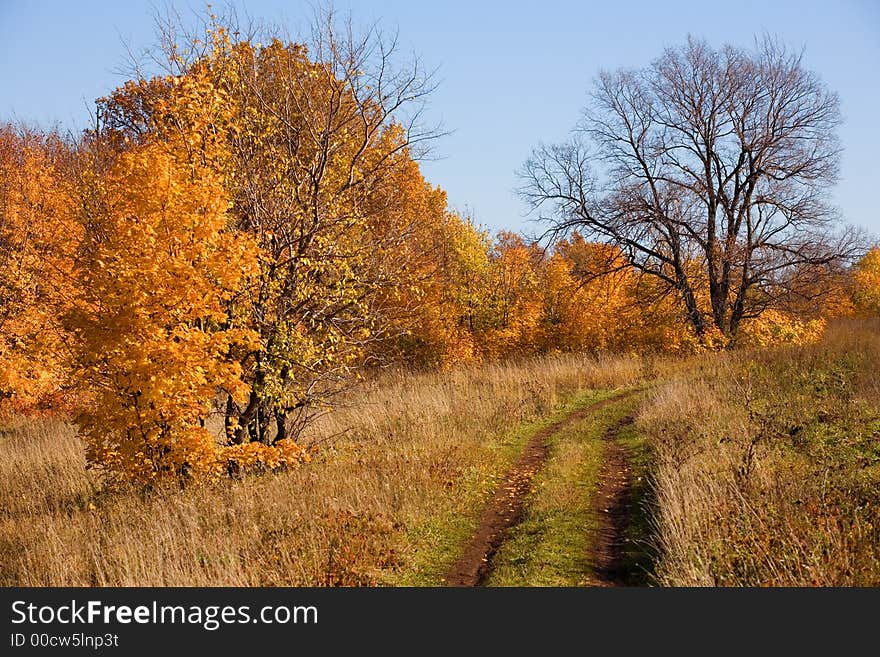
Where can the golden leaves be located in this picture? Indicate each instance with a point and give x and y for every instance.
(866, 284)
(37, 243)
(156, 270)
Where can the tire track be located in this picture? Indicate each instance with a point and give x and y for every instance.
(611, 505)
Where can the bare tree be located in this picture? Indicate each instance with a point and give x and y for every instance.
(710, 169)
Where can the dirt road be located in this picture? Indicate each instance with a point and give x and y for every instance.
(506, 506)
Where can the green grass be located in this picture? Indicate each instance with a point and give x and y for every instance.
(436, 545)
(552, 544)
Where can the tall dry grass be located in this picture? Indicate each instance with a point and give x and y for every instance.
(768, 465)
(401, 457)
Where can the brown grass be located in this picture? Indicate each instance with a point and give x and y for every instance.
(768, 465)
(412, 454)
(767, 472)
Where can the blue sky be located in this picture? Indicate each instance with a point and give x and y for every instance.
(512, 73)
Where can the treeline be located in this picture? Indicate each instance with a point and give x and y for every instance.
(247, 234)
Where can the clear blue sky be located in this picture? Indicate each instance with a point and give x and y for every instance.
(512, 73)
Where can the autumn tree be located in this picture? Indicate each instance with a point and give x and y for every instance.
(321, 136)
(866, 284)
(513, 297)
(157, 269)
(710, 170)
(38, 238)
(464, 287)
(322, 161)
(586, 289)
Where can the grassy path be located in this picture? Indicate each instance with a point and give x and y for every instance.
(584, 521)
(542, 526)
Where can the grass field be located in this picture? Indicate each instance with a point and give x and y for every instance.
(768, 465)
(386, 502)
(750, 467)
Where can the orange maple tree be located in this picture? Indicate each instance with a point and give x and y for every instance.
(37, 242)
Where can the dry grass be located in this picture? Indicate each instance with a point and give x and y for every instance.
(767, 472)
(768, 465)
(385, 502)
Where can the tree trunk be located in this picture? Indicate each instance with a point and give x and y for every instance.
(694, 315)
(246, 418)
(280, 426)
(229, 419)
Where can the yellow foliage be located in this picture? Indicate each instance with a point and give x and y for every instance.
(774, 327)
(153, 340)
(248, 456)
(254, 233)
(866, 284)
(37, 242)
